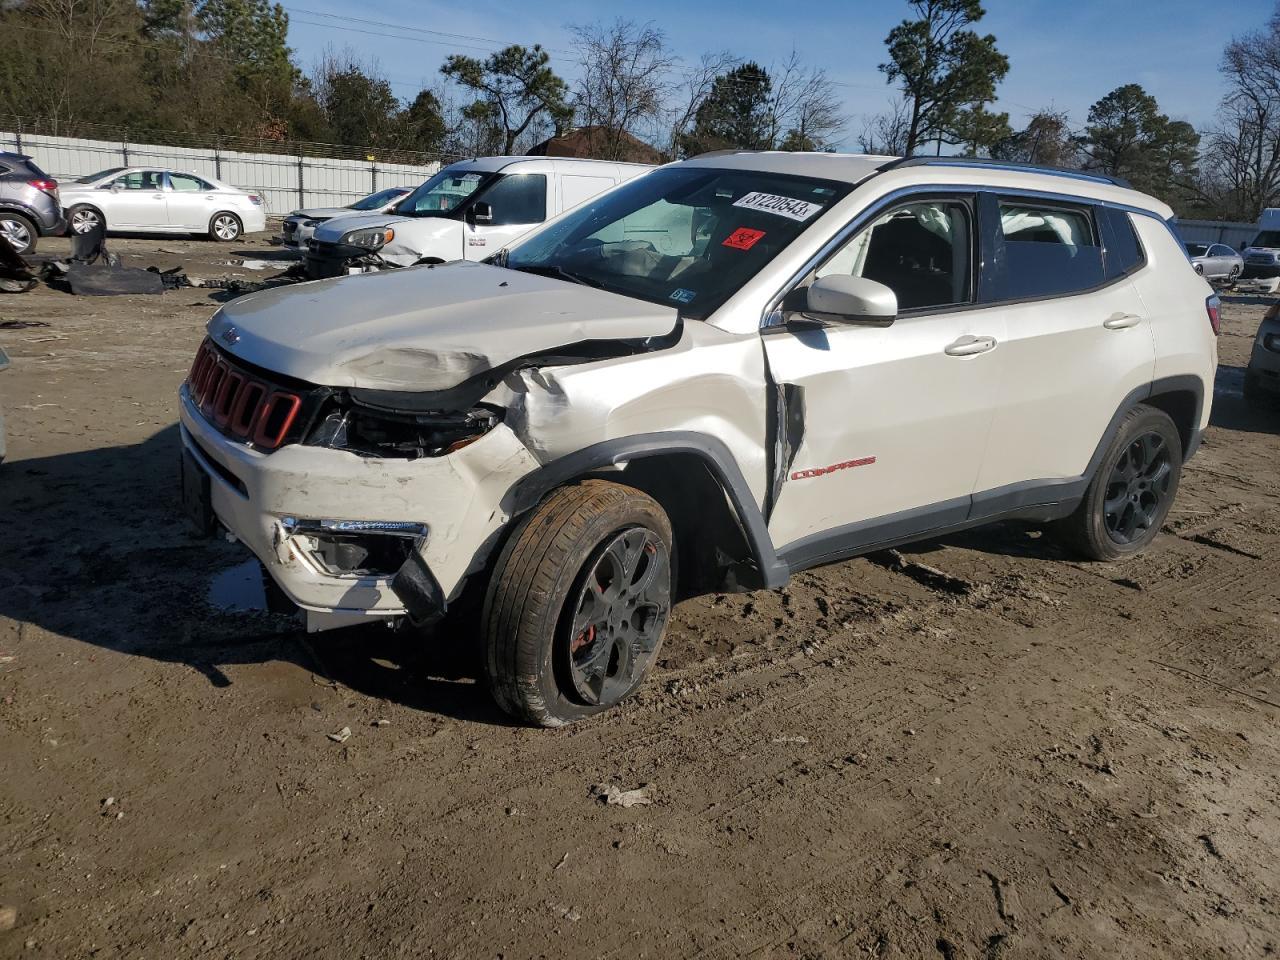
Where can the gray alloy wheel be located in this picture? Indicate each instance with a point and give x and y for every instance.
(225, 227)
(19, 231)
(84, 219)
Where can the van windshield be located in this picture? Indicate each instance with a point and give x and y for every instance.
(1267, 238)
(687, 237)
(442, 194)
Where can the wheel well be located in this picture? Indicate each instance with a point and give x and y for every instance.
(710, 545)
(1183, 408)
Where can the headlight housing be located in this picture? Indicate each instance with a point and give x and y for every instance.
(403, 434)
(371, 238)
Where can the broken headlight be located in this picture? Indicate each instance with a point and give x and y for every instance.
(383, 433)
(371, 238)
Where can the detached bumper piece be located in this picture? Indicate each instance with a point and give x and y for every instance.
(418, 590)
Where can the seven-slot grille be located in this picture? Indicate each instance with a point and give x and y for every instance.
(239, 403)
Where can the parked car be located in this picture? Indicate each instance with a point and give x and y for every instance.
(1215, 261)
(153, 200)
(301, 224)
(1262, 376)
(465, 212)
(29, 203)
(712, 377)
(1262, 256)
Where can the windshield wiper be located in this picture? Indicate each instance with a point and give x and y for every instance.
(560, 273)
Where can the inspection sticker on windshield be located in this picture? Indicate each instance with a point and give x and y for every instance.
(469, 177)
(744, 238)
(787, 207)
(682, 295)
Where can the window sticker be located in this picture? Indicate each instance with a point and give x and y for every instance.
(469, 177)
(681, 295)
(744, 238)
(788, 207)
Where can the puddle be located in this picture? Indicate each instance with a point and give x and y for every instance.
(238, 589)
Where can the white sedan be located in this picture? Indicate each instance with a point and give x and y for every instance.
(150, 200)
(301, 224)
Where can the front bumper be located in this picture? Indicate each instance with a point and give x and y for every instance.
(1260, 271)
(456, 498)
(325, 259)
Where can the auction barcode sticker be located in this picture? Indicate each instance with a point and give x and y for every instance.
(783, 206)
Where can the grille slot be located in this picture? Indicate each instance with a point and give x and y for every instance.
(238, 402)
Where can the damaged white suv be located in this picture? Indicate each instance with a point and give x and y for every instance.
(709, 378)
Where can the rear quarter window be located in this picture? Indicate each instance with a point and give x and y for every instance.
(1123, 253)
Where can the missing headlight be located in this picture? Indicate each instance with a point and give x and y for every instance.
(409, 435)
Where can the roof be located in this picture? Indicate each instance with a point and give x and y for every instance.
(592, 141)
(950, 171)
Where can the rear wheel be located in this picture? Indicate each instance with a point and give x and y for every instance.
(225, 227)
(578, 603)
(19, 231)
(1133, 490)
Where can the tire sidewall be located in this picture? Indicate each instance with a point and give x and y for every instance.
(239, 227)
(83, 208)
(30, 228)
(1148, 420)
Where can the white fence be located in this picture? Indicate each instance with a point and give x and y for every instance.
(284, 182)
(1232, 233)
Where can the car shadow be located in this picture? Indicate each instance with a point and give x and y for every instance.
(1230, 412)
(100, 553)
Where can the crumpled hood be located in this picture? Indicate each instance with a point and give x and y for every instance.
(335, 229)
(423, 328)
(322, 213)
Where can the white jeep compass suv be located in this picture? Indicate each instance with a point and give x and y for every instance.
(708, 378)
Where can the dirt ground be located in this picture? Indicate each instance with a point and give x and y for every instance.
(979, 748)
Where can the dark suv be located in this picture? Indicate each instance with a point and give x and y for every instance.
(29, 204)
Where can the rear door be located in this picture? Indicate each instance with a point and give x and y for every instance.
(1077, 339)
(191, 201)
(886, 427)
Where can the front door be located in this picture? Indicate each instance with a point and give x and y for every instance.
(886, 427)
(516, 204)
(136, 201)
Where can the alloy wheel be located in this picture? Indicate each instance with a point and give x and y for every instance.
(225, 226)
(1138, 488)
(84, 221)
(17, 233)
(619, 615)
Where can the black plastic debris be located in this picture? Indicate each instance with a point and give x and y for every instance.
(93, 280)
(91, 246)
(16, 275)
(174, 278)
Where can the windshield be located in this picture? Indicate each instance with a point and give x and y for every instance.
(376, 201)
(1267, 238)
(442, 194)
(94, 177)
(685, 236)
(1197, 249)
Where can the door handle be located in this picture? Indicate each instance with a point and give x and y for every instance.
(969, 346)
(1122, 321)
(157, 196)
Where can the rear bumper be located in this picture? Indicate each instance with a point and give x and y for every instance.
(452, 498)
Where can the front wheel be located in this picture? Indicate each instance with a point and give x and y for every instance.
(19, 231)
(225, 227)
(1130, 495)
(578, 603)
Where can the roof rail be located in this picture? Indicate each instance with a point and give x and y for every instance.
(985, 163)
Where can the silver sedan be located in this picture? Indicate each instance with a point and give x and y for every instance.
(1215, 261)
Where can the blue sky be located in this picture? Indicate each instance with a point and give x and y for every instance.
(1063, 54)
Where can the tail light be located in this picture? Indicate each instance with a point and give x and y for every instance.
(1213, 306)
(255, 199)
(48, 185)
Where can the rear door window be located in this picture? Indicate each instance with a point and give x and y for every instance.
(1122, 250)
(186, 183)
(1048, 250)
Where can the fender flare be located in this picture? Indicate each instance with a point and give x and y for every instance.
(711, 450)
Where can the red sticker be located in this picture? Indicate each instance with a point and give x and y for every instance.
(744, 238)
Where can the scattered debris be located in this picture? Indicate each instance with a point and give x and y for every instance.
(568, 913)
(342, 736)
(8, 917)
(615, 796)
(16, 275)
(800, 740)
(563, 861)
(381, 723)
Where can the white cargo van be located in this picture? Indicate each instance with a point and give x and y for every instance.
(1262, 256)
(467, 211)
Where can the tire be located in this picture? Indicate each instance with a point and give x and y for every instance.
(19, 231)
(225, 227)
(1129, 497)
(562, 568)
(1235, 273)
(82, 218)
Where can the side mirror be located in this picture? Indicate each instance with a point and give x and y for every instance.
(115, 188)
(481, 212)
(840, 298)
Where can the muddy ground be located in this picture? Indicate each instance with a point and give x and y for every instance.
(979, 749)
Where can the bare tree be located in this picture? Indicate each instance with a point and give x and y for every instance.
(805, 112)
(887, 133)
(688, 92)
(625, 74)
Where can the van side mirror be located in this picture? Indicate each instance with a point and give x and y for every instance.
(840, 298)
(481, 212)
